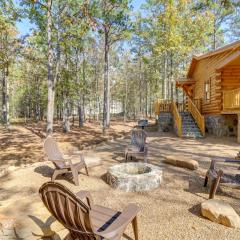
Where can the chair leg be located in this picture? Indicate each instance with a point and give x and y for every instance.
(86, 169)
(205, 181)
(215, 184)
(126, 156)
(135, 228)
(75, 177)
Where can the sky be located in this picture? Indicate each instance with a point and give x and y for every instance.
(25, 26)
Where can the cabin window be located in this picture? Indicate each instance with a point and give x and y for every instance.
(207, 91)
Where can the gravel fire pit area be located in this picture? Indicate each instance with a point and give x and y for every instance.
(134, 177)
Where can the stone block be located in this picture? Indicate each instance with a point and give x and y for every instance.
(181, 161)
(220, 212)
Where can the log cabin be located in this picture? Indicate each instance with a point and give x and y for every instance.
(212, 90)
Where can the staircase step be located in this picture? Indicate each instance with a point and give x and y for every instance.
(190, 128)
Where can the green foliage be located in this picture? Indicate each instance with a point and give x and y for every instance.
(147, 51)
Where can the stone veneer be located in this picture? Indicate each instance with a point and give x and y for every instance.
(134, 177)
(165, 121)
(222, 125)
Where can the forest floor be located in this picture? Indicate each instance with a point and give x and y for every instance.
(169, 212)
(22, 145)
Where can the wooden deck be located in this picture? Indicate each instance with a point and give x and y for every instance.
(231, 101)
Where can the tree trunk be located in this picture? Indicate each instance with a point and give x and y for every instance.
(83, 94)
(125, 100)
(214, 35)
(146, 100)
(79, 105)
(140, 86)
(51, 83)
(97, 102)
(66, 113)
(38, 101)
(165, 77)
(171, 75)
(80, 115)
(5, 96)
(106, 100)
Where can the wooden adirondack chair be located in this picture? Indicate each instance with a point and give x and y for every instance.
(83, 218)
(138, 145)
(63, 164)
(220, 176)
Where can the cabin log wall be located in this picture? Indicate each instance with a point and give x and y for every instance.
(205, 71)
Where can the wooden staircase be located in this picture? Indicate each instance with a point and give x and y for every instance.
(189, 126)
(187, 120)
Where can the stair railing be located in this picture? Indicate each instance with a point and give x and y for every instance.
(196, 115)
(177, 119)
(162, 105)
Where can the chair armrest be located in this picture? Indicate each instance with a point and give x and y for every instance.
(229, 160)
(232, 160)
(66, 157)
(74, 154)
(128, 214)
(82, 195)
(77, 152)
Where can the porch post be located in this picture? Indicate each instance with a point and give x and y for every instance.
(238, 129)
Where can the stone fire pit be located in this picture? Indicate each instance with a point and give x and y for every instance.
(134, 177)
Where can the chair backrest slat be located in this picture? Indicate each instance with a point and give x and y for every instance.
(138, 138)
(52, 150)
(60, 206)
(67, 209)
(70, 220)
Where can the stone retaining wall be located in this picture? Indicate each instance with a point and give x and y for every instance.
(222, 125)
(165, 121)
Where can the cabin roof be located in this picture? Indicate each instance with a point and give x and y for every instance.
(196, 58)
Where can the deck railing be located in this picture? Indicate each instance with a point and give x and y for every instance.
(177, 119)
(162, 105)
(231, 100)
(196, 115)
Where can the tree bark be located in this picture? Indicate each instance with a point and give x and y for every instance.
(83, 93)
(51, 82)
(140, 86)
(165, 77)
(66, 113)
(106, 100)
(5, 96)
(214, 34)
(146, 100)
(80, 115)
(79, 104)
(125, 100)
(38, 100)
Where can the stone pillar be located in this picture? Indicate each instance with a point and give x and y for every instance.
(238, 129)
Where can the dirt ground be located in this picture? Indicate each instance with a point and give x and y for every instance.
(171, 211)
(22, 145)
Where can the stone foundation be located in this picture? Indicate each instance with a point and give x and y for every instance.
(165, 121)
(222, 125)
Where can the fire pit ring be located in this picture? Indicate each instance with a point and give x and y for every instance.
(134, 177)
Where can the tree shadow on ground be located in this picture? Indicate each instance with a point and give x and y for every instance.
(45, 226)
(196, 187)
(47, 172)
(44, 170)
